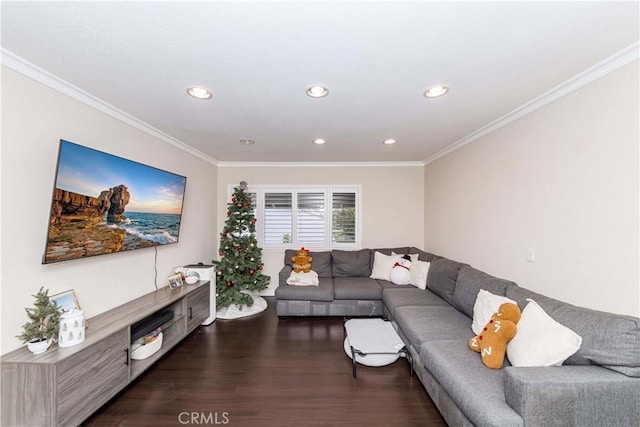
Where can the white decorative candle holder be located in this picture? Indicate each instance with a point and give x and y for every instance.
(71, 330)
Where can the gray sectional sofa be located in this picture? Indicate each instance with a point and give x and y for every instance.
(597, 386)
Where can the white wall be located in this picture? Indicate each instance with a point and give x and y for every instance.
(34, 119)
(392, 201)
(563, 181)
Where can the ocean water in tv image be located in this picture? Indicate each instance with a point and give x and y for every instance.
(156, 227)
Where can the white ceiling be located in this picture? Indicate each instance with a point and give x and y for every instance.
(376, 58)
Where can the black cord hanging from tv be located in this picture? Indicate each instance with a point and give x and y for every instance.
(155, 267)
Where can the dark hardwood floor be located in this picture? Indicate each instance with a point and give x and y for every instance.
(261, 371)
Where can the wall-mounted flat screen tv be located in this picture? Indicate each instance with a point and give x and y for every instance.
(104, 204)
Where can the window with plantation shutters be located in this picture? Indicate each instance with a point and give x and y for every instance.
(311, 218)
(343, 217)
(316, 217)
(278, 218)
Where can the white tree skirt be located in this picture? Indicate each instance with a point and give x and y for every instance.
(235, 311)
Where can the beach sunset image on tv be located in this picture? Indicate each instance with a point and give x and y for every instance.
(103, 204)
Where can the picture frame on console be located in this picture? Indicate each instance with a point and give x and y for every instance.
(175, 281)
(66, 300)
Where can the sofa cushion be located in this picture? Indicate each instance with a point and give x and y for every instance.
(469, 283)
(426, 323)
(478, 391)
(384, 284)
(350, 263)
(422, 255)
(356, 288)
(322, 292)
(520, 295)
(610, 340)
(321, 263)
(400, 296)
(443, 274)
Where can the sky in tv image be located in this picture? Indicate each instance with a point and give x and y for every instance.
(89, 172)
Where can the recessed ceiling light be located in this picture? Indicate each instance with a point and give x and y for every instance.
(199, 92)
(389, 141)
(319, 141)
(247, 141)
(436, 91)
(317, 91)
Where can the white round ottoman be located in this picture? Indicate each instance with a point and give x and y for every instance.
(371, 359)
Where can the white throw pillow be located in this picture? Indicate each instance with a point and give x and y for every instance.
(382, 265)
(540, 340)
(485, 306)
(418, 273)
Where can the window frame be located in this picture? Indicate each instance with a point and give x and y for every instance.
(294, 190)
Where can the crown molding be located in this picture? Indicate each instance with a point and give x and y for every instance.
(317, 164)
(26, 68)
(601, 69)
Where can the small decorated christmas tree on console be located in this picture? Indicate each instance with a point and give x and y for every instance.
(239, 270)
(42, 327)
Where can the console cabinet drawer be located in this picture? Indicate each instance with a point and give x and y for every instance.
(91, 377)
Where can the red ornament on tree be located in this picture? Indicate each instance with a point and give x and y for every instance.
(259, 267)
(229, 284)
(233, 199)
(228, 213)
(249, 202)
(240, 205)
(251, 271)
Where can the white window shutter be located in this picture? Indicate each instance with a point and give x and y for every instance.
(278, 218)
(343, 217)
(311, 218)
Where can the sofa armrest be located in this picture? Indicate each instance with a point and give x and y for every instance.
(284, 274)
(573, 395)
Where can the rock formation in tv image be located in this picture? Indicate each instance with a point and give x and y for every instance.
(83, 226)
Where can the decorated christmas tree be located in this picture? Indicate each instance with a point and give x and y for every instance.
(239, 270)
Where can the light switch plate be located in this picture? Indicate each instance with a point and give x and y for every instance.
(531, 255)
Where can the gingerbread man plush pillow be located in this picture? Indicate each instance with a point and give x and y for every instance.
(492, 342)
(302, 261)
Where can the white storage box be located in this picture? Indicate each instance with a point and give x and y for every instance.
(147, 350)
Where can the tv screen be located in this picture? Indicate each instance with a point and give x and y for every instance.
(104, 204)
